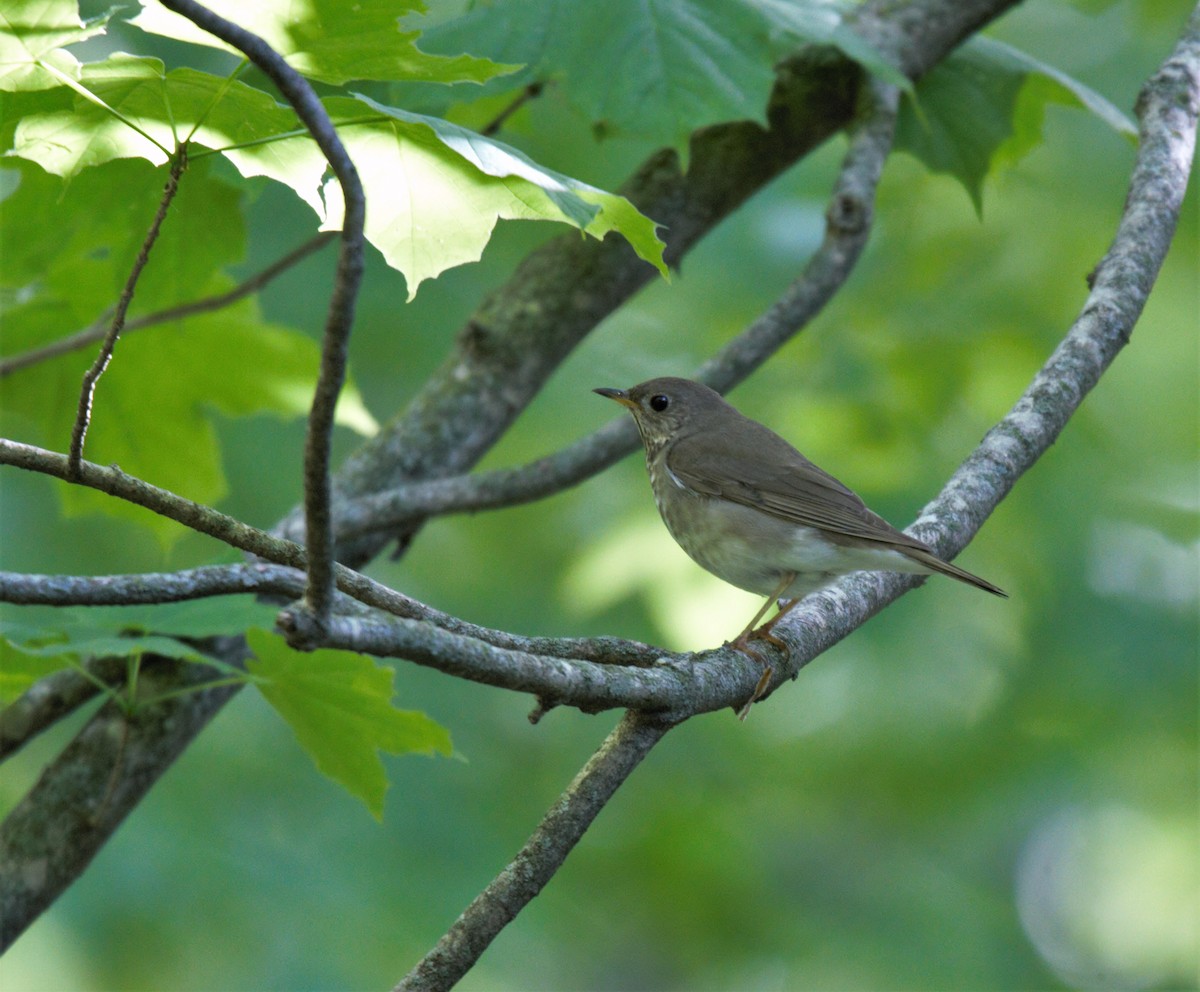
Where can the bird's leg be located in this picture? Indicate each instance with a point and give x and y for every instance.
(742, 641)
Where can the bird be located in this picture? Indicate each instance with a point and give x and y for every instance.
(748, 507)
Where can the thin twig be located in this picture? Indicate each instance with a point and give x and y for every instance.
(318, 487)
(848, 225)
(83, 414)
(531, 91)
(90, 335)
(536, 863)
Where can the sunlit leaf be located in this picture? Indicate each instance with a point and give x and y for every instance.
(33, 34)
(436, 190)
(331, 41)
(339, 705)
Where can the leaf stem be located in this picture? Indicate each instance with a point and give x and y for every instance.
(91, 97)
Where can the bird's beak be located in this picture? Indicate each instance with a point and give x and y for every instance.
(619, 395)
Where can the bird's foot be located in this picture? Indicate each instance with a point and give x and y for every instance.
(742, 643)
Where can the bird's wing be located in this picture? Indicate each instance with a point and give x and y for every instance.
(763, 471)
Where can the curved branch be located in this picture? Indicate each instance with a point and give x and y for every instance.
(90, 335)
(318, 487)
(197, 516)
(543, 854)
(209, 581)
(1167, 111)
(848, 225)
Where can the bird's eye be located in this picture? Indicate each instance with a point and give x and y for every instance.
(659, 402)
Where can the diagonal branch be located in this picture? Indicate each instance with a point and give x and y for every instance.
(848, 225)
(52, 698)
(318, 487)
(535, 864)
(83, 414)
(90, 335)
(1167, 110)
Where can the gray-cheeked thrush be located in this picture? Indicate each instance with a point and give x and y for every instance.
(748, 507)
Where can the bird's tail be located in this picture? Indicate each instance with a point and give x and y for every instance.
(935, 564)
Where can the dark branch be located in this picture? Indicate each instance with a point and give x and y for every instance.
(83, 414)
(531, 91)
(543, 854)
(90, 335)
(318, 488)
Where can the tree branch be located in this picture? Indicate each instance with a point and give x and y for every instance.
(535, 864)
(150, 587)
(318, 487)
(83, 414)
(848, 224)
(90, 335)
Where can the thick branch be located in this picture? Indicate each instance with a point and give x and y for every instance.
(308, 107)
(52, 835)
(535, 864)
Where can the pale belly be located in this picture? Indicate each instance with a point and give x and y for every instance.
(755, 551)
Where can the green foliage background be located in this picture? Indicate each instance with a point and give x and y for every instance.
(968, 793)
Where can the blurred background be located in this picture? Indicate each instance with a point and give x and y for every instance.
(968, 793)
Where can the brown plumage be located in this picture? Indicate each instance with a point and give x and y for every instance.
(751, 509)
